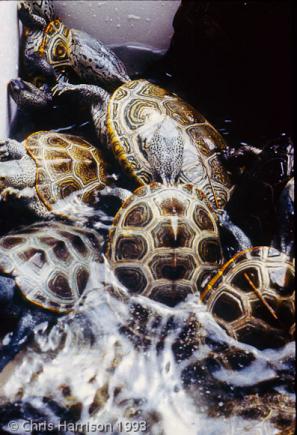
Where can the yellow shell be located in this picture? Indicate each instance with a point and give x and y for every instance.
(132, 106)
(65, 164)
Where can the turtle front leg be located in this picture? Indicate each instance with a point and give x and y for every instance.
(92, 97)
(18, 174)
(11, 149)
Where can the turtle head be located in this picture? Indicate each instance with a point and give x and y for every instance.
(28, 96)
(163, 146)
(36, 14)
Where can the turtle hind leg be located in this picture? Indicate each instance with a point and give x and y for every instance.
(38, 208)
(18, 174)
(30, 318)
(11, 149)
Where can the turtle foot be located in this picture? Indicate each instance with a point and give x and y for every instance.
(62, 87)
(4, 152)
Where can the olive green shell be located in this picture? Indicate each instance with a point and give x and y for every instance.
(130, 108)
(51, 263)
(252, 297)
(65, 164)
(164, 242)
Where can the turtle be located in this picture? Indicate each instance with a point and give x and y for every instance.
(51, 50)
(252, 297)
(45, 270)
(47, 167)
(164, 242)
(157, 136)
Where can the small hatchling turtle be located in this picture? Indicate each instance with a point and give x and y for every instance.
(51, 49)
(53, 166)
(252, 297)
(157, 136)
(164, 242)
(45, 269)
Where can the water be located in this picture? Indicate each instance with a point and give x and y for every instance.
(140, 367)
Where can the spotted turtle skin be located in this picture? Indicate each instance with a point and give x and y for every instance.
(164, 242)
(132, 107)
(51, 264)
(53, 51)
(253, 297)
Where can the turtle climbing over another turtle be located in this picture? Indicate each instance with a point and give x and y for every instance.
(252, 297)
(45, 269)
(47, 168)
(157, 136)
(51, 49)
(164, 242)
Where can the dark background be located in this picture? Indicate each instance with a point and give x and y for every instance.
(235, 59)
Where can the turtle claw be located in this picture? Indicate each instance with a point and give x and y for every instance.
(8, 193)
(61, 87)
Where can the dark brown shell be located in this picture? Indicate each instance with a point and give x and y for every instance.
(252, 297)
(164, 242)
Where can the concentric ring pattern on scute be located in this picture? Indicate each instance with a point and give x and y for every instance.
(133, 105)
(65, 164)
(253, 297)
(164, 242)
(51, 264)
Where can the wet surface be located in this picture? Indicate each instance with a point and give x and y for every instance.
(169, 370)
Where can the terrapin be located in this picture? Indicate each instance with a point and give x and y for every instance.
(157, 136)
(164, 242)
(53, 166)
(51, 49)
(45, 269)
(252, 297)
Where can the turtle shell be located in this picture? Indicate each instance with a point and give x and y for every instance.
(51, 263)
(55, 45)
(252, 297)
(65, 164)
(164, 242)
(132, 106)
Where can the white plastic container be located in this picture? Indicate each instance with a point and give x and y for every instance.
(144, 22)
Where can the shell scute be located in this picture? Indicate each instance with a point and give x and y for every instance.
(51, 263)
(268, 310)
(142, 107)
(65, 164)
(171, 257)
